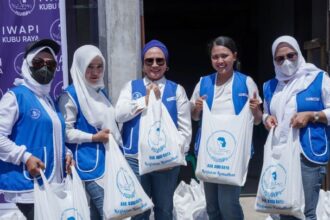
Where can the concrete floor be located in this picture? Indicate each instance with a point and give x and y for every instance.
(248, 209)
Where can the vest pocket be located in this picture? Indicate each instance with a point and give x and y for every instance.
(43, 157)
(317, 140)
(87, 157)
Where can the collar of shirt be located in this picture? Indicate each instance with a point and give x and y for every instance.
(160, 82)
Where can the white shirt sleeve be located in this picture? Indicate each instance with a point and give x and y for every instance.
(69, 111)
(126, 107)
(9, 151)
(326, 96)
(184, 121)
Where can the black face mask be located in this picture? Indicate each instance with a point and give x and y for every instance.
(42, 75)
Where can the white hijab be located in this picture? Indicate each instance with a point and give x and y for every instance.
(303, 67)
(95, 106)
(28, 81)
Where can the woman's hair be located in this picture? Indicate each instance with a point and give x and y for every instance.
(223, 41)
(226, 42)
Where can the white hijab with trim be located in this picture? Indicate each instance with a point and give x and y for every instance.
(28, 81)
(94, 105)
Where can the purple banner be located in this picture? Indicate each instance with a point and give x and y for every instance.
(22, 22)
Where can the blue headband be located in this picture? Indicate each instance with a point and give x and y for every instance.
(155, 43)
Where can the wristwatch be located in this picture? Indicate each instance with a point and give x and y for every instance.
(316, 116)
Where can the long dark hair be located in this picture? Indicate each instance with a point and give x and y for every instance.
(226, 42)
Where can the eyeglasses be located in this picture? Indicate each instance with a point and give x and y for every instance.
(150, 61)
(290, 56)
(38, 63)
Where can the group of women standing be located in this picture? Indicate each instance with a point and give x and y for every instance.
(33, 131)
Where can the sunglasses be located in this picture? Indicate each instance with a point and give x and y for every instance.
(38, 63)
(150, 61)
(290, 56)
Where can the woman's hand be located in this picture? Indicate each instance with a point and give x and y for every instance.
(255, 108)
(301, 119)
(68, 163)
(101, 136)
(34, 165)
(270, 122)
(198, 108)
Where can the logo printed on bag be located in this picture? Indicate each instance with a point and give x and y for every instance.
(35, 113)
(221, 145)
(21, 7)
(136, 95)
(156, 138)
(71, 214)
(125, 183)
(274, 180)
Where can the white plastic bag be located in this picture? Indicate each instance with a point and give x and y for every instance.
(280, 188)
(123, 194)
(158, 141)
(225, 147)
(189, 202)
(323, 206)
(60, 201)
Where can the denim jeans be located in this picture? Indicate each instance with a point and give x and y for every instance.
(312, 176)
(160, 187)
(222, 202)
(27, 210)
(96, 194)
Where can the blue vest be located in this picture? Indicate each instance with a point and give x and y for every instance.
(130, 131)
(314, 137)
(89, 157)
(240, 95)
(34, 129)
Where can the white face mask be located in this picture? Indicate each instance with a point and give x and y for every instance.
(288, 67)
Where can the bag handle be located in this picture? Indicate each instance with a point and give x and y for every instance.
(44, 180)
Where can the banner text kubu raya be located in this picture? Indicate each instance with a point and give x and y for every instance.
(22, 22)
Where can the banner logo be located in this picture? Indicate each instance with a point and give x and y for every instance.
(21, 7)
(221, 145)
(156, 138)
(71, 214)
(18, 61)
(55, 31)
(57, 90)
(273, 180)
(125, 183)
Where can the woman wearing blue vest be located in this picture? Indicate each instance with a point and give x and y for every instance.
(85, 107)
(31, 130)
(226, 91)
(133, 99)
(299, 96)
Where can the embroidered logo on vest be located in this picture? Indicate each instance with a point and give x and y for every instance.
(35, 113)
(312, 99)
